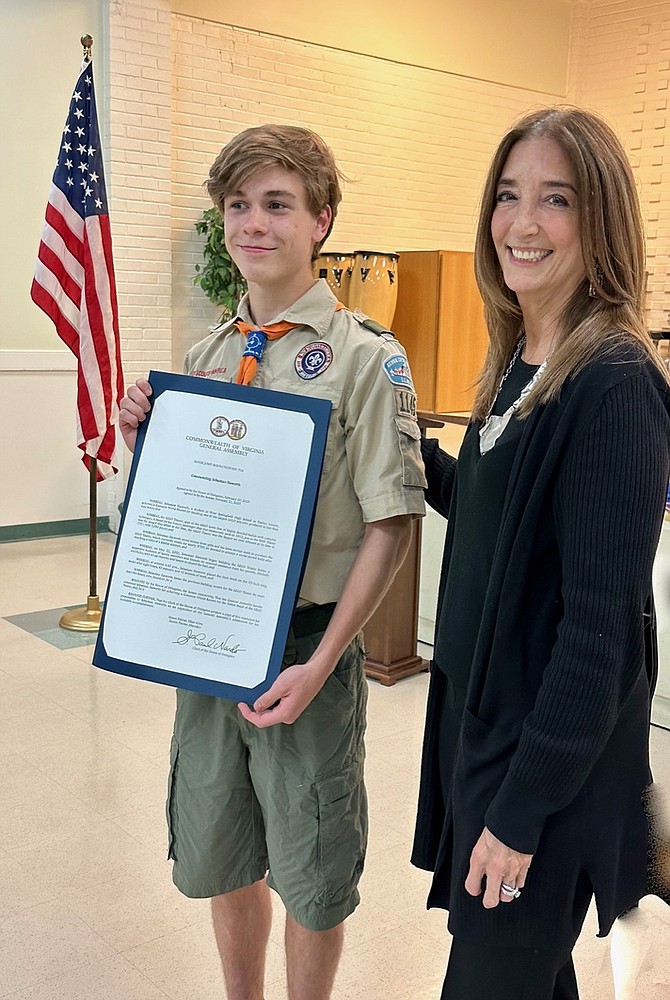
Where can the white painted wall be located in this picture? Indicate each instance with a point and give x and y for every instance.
(48, 481)
(40, 58)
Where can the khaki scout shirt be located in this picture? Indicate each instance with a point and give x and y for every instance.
(372, 467)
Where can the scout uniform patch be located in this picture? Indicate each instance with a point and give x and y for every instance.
(313, 359)
(397, 371)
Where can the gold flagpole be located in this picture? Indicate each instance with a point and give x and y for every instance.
(88, 619)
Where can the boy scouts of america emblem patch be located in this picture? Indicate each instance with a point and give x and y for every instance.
(397, 371)
(313, 359)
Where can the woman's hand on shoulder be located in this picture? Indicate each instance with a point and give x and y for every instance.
(499, 865)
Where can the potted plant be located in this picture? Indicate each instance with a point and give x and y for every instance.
(219, 277)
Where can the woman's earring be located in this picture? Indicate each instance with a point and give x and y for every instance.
(600, 276)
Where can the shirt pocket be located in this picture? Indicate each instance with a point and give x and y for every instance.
(409, 437)
(321, 390)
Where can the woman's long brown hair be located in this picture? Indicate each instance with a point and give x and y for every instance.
(612, 239)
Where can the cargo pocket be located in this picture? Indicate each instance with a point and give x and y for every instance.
(171, 805)
(343, 833)
(409, 437)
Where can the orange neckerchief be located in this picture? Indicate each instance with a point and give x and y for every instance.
(256, 337)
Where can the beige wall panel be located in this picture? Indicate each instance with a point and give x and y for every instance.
(40, 56)
(456, 36)
(47, 480)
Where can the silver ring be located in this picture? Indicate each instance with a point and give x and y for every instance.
(510, 890)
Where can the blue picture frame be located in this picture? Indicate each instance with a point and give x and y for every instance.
(319, 412)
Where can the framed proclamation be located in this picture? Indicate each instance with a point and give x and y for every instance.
(214, 536)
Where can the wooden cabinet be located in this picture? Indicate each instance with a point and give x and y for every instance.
(439, 320)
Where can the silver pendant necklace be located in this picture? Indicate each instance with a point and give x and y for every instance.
(494, 424)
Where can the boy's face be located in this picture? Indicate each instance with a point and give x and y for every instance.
(270, 231)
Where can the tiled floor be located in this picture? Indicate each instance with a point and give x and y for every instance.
(87, 906)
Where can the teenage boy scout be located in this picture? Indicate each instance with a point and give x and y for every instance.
(273, 794)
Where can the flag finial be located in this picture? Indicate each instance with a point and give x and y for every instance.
(87, 44)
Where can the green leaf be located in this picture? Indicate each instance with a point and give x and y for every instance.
(218, 277)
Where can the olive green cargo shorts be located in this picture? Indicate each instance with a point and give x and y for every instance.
(288, 800)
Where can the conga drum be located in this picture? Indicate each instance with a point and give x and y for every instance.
(374, 285)
(336, 269)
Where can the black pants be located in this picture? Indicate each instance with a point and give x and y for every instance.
(480, 972)
(483, 972)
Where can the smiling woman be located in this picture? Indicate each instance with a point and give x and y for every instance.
(602, 197)
(536, 232)
(536, 746)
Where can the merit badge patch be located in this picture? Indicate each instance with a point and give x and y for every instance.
(313, 359)
(397, 371)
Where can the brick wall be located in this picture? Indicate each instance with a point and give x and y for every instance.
(620, 67)
(140, 87)
(414, 143)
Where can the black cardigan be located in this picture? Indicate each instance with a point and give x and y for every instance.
(552, 749)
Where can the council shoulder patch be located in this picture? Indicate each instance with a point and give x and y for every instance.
(397, 371)
(313, 359)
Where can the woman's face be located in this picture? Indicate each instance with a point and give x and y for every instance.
(535, 224)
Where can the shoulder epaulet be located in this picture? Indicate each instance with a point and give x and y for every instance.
(372, 324)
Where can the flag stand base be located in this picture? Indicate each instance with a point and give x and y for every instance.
(88, 619)
(83, 619)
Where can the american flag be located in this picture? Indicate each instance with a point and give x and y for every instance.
(74, 278)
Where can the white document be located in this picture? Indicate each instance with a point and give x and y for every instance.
(208, 535)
